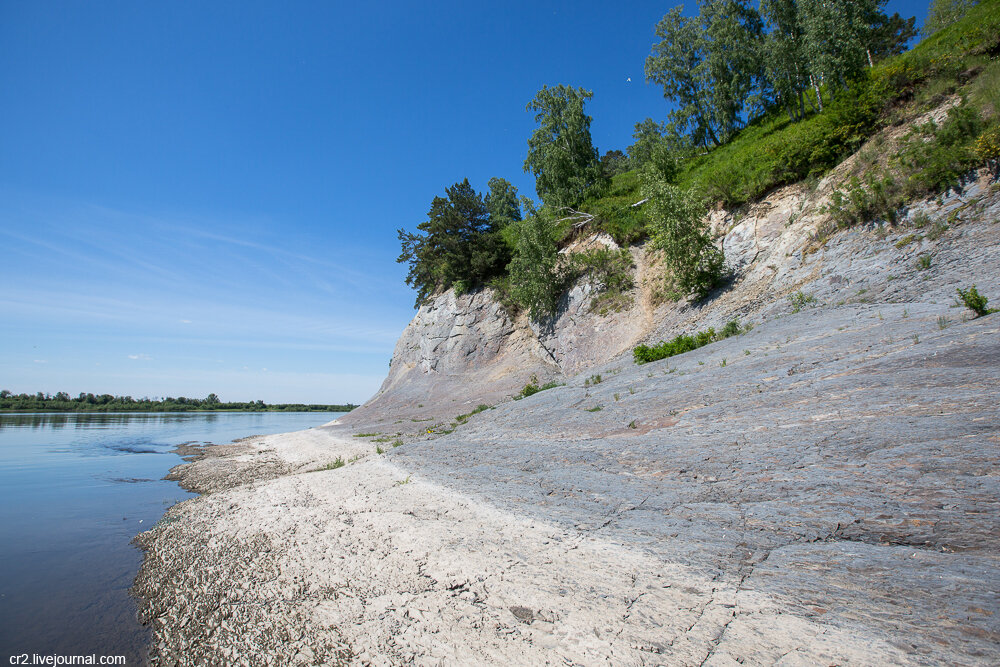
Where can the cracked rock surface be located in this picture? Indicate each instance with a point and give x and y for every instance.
(822, 490)
(829, 498)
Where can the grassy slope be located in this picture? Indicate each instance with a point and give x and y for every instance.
(772, 151)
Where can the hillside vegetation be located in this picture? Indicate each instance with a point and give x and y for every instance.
(766, 125)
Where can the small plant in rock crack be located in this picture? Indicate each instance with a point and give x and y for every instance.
(975, 301)
(617, 396)
(632, 424)
(942, 322)
(800, 300)
(397, 443)
(722, 363)
(592, 380)
(403, 481)
(916, 339)
(379, 450)
(924, 262)
(532, 388)
(337, 463)
(365, 435)
(596, 408)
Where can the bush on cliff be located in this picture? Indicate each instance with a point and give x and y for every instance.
(644, 354)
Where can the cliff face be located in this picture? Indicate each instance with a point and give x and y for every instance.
(462, 351)
(457, 352)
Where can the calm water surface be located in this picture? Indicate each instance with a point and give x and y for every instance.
(74, 490)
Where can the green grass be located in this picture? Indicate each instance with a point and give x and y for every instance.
(800, 300)
(644, 354)
(974, 301)
(773, 151)
(366, 435)
(596, 408)
(337, 463)
(461, 419)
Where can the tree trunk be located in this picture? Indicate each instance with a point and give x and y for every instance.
(819, 97)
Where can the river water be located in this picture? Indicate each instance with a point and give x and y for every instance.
(74, 490)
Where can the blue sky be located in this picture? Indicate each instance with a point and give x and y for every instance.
(203, 197)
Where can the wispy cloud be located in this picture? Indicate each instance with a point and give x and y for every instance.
(140, 357)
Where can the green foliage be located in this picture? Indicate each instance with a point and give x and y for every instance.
(924, 262)
(975, 301)
(609, 272)
(533, 387)
(560, 152)
(943, 13)
(930, 160)
(337, 463)
(596, 408)
(461, 419)
(613, 207)
(86, 402)
(536, 278)
(593, 380)
(461, 247)
(709, 66)
(679, 231)
(614, 162)
(502, 203)
(800, 300)
(643, 354)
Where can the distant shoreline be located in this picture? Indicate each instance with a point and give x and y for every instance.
(118, 410)
(62, 402)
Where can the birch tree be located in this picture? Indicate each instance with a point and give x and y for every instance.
(561, 154)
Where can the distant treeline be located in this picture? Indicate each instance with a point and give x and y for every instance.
(63, 402)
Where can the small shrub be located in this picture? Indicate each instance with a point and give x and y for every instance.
(461, 419)
(937, 231)
(924, 262)
(397, 443)
(643, 354)
(907, 240)
(592, 380)
(695, 266)
(942, 322)
(800, 300)
(533, 387)
(920, 219)
(975, 301)
(337, 463)
(379, 450)
(988, 148)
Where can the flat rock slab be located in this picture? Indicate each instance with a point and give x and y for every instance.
(844, 460)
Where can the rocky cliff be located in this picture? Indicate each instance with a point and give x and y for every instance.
(462, 351)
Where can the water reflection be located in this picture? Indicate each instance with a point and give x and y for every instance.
(100, 419)
(75, 488)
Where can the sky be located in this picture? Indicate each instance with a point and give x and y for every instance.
(204, 197)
